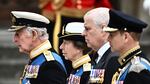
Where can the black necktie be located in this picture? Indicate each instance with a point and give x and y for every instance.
(93, 55)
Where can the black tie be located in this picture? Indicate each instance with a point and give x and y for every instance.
(93, 55)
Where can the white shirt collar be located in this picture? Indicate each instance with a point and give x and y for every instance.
(102, 50)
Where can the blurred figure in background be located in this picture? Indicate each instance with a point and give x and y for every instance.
(74, 48)
(146, 5)
(45, 65)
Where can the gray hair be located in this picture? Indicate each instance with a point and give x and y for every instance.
(99, 15)
(42, 32)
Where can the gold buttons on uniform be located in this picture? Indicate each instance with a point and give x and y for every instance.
(123, 60)
(119, 69)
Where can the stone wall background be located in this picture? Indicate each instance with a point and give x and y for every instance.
(12, 62)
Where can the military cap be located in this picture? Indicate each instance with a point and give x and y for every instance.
(22, 19)
(121, 21)
(73, 31)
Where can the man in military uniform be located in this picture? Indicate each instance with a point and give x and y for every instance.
(31, 37)
(95, 20)
(125, 32)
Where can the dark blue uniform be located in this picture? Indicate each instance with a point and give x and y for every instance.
(134, 69)
(80, 73)
(45, 67)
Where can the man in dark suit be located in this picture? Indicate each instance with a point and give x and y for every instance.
(45, 65)
(95, 20)
(125, 32)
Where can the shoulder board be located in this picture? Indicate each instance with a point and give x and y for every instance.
(137, 65)
(87, 67)
(48, 55)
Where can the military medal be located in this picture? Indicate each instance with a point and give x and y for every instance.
(97, 75)
(32, 71)
(73, 79)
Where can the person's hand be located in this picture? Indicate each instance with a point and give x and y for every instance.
(146, 5)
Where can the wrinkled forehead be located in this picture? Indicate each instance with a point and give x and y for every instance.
(88, 21)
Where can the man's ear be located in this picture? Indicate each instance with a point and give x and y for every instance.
(34, 34)
(126, 36)
(103, 26)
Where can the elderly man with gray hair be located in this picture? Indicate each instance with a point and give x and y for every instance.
(45, 65)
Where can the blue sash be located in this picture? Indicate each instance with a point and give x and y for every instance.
(75, 78)
(79, 72)
(58, 59)
(123, 76)
(40, 59)
(146, 65)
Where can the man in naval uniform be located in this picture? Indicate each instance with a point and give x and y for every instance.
(125, 32)
(106, 61)
(45, 65)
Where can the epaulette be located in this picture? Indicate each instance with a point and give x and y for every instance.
(48, 55)
(138, 64)
(87, 67)
(80, 61)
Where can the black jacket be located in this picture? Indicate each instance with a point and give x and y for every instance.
(50, 72)
(138, 68)
(109, 62)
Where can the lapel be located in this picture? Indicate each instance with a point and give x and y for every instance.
(103, 61)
